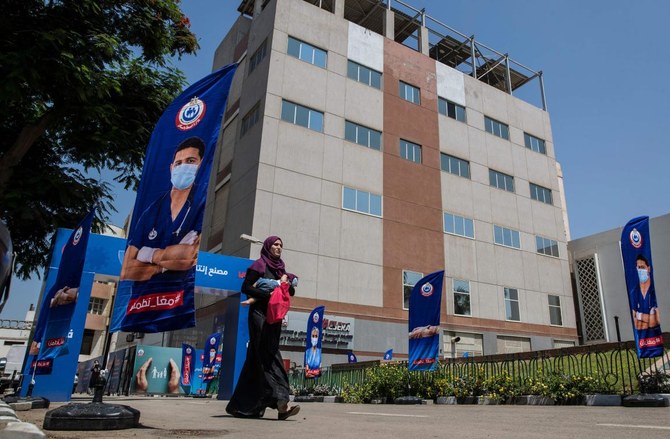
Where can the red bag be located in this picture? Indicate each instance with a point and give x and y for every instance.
(279, 303)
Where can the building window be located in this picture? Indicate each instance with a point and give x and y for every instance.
(409, 279)
(410, 93)
(258, 56)
(458, 225)
(512, 304)
(410, 151)
(501, 181)
(451, 109)
(363, 135)
(250, 119)
(555, 311)
(306, 52)
(540, 193)
(496, 128)
(363, 74)
(461, 297)
(534, 143)
(361, 201)
(454, 165)
(546, 246)
(506, 237)
(303, 116)
(96, 306)
(87, 342)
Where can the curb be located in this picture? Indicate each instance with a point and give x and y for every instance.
(11, 427)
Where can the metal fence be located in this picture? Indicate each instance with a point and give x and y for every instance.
(616, 363)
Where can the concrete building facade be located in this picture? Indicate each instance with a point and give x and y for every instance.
(377, 164)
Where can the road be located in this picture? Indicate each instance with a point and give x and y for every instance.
(181, 417)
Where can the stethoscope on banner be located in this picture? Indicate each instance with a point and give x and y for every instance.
(157, 208)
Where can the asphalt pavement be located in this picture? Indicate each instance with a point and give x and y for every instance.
(182, 417)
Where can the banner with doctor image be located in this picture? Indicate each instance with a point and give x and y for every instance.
(209, 361)
(638, 269)
(156, 288)
(424, 322)
(54, 328)
(313, 344)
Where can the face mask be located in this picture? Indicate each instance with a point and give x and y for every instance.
(315, 341)
(643, 274)
(183, 176)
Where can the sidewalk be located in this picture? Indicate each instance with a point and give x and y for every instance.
(181, 417)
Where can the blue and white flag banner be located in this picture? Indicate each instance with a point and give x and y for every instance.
(351, 357)
(53, 330)
(388, 355)
(313, 343)
(187, 364)
(638, 269)
(156, 288)
(424, 322)
(211, 352)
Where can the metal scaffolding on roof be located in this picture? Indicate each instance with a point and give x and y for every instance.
(445, 44)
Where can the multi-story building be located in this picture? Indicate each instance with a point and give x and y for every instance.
(382, 145)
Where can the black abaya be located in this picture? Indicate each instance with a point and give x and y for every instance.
(263, 381)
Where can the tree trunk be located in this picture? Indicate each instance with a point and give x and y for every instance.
(29, 134)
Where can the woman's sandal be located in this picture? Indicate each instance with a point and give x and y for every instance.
(282, 416)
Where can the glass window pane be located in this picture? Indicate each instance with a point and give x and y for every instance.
(293, 47)
(376, 204)
(554, 300)
(315, 120)
(460, 227)
(349, 131)
(320, 58)
(302, 116)
(375, 140)
(363, 202)
(469, 228)
(349, 198)
(515, 239)
(288, 111)
(493, 180)
(498, 233)
(376, 80)
(442, 106)
(352, 70)
(448, 223)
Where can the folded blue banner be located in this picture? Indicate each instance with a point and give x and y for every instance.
(313, 343)
(388, 355)
(351, 357)
(53, 330)
(211, 352)
(187, 364)
(636, 255)
(156, 289)
(424, 322)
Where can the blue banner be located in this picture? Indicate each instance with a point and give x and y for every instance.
(53, 330)
(211, 352)
(388, 355)
(424, 322)
(187, 365)
(351, 357)
(636, 255)
(156, 291)
(313, 343)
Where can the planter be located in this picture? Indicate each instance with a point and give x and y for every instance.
(486, 400)
(538, 400)
(333, 399)
(578, 400)
(467, 400)
(448, 400)
(308, 398)
(385, 400)
(599, 399)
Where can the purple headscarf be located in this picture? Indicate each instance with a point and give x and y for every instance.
(275, 265)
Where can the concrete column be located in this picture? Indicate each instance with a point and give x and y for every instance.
(258, 7)
(389, 24)
(423, 40)
(338, 8)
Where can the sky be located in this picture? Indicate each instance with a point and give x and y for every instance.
(604, 63)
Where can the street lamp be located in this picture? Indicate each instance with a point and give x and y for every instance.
(250, 238)
(454, 340)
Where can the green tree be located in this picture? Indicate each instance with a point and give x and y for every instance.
(82, 84)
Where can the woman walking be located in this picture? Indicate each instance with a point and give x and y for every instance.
(263, 381)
